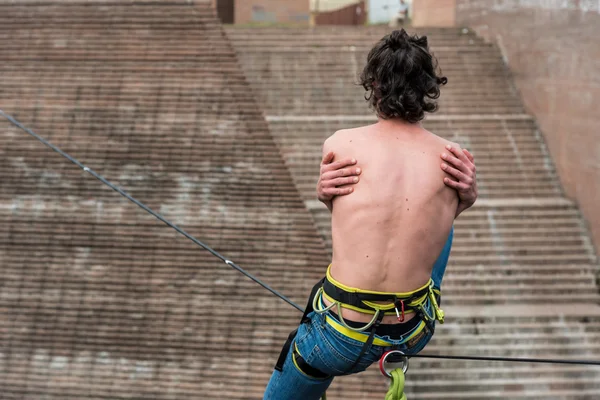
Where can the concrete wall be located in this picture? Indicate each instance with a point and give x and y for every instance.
(272, 11)
(330, 5)
(552, 49)
(434, 13)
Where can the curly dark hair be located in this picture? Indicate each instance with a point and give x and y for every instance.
(400, 77)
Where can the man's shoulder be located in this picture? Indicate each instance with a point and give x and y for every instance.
(343, 135)
(436, 140)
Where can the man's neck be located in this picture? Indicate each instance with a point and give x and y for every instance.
(397, 123)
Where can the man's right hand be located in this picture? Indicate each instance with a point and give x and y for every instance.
(336, 174)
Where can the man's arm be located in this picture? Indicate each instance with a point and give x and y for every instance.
(333, 175)
(459, 164)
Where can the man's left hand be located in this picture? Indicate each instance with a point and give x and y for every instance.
(460, 165)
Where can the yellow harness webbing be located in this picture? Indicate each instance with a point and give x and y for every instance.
(414, 303)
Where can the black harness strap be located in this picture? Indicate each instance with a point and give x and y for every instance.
(307, 310)
(285, 350)
(356, 299)
(307, 369)
(369, 341)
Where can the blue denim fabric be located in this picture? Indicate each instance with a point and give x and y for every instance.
(333, 353)
(330, 352)
(439, 268)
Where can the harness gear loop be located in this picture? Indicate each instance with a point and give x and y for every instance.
(439, 313)
(315, 305)
(316, 299)
(378, 316)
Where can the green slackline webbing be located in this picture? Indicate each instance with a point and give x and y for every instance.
(396, 391)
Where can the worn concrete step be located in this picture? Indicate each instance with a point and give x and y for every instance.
(517, 269)
(517, 281)
(525, 259)
(341, 64)
(522, 345)
(510, 296)
(343, 32)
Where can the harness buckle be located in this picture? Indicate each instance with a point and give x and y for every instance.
(400, 317)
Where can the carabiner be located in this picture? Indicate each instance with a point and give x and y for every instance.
(400, 318)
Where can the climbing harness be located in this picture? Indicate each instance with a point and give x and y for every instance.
(367, 301)
(341, 296)
(401, 305)
(378, 304)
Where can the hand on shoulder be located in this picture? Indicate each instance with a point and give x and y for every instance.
(459, 164)
(335, 173)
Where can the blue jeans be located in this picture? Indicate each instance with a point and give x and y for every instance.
(333, 353)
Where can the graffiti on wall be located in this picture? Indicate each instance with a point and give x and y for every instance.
(260, 14)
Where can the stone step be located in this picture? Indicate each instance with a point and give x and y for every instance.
(517, 281)
(440, 49)
(520, 344)
(340, 64)
(117, 35)
(343, 32)
(525, 259)
(516, 269)
(513, 296)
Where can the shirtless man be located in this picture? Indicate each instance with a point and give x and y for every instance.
(391, 237)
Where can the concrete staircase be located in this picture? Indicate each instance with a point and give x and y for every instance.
(308, 72)
(522, 276)
(97, 299)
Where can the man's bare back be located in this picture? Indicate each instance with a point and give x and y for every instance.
(386, 235)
